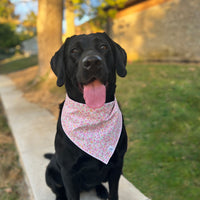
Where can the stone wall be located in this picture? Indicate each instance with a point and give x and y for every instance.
(169, 30)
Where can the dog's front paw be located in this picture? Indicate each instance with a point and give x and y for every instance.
(61, 198)
(113, 197)
(102, 192)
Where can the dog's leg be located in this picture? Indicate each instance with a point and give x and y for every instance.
(61, 195)
(101, 191)
(54, 180)
(114, 183)
(71, 186)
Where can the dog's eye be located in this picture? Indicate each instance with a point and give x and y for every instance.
(75, 50)
(103, 47)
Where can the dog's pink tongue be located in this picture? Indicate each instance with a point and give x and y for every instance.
(94, 94)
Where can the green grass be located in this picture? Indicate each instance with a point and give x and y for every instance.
(161, 107)
(15, 64)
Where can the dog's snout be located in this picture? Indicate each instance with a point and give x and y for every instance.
(91, 61)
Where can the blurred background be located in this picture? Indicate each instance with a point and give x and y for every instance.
(160, 97)
(152, 30)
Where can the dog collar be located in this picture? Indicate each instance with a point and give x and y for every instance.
(95, 131)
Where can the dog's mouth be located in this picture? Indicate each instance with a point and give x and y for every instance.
(94, 93)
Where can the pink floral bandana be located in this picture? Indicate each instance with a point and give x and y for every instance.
(95, 131)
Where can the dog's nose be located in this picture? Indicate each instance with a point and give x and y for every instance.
(91, 61)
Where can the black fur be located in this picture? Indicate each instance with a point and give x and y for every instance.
(80, 60)
(48, 156)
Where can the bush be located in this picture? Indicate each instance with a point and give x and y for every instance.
(8, 37)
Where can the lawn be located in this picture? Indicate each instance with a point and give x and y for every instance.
(17, 63)
(161, 107)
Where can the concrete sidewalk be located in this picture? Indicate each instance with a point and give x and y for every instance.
(34, 130)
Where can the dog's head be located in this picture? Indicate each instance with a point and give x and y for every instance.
(86, 61)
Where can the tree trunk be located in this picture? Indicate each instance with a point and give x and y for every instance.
(70, 29)
(108, 27)
(49, 33)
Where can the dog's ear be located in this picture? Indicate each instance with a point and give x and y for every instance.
(120, 60)
(58, 64)
(119, 56)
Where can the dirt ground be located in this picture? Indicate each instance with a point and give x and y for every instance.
(45, 93)
(12, 184)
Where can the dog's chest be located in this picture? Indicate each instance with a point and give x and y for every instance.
(91, 171)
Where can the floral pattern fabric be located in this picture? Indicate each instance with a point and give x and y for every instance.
(95, 131)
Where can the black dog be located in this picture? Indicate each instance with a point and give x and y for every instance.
(82, 60)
